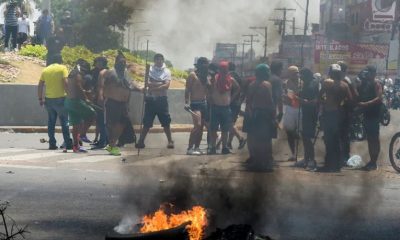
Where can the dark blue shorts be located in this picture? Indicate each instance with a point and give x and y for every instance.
(221, 116)
(156, 107)
(202, 108)
(371, 126)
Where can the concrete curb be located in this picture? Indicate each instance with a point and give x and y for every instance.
(43, 129)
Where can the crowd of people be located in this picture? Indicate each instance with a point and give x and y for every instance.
(301, 105)
(17, 30)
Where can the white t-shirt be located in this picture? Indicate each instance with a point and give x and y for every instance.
(23, 25)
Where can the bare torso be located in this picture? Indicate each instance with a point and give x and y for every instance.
(195, 88)
(334, 94)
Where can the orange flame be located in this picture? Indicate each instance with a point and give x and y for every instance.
(162, 221)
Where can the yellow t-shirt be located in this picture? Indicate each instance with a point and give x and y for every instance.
(53, 76)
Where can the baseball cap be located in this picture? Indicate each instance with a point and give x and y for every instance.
(335, 68)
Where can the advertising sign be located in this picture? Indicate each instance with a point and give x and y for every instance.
(383, 10)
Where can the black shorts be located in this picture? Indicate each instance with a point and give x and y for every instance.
(371, 126)
(157, 106)
(116, 112)
(235, 110)
(202, 108)
(221, 116)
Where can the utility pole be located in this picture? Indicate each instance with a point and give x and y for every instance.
(284, 10)
(251, 43)
(242, 68)
(294, 26)
(265, 28)
(305, 33)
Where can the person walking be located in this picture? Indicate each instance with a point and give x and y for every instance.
(156, 102)
(54, 78)
(45, 27)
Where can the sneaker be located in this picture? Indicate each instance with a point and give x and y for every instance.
(79, 149)
(108, 148)
(140, 145)
(242, 143)
(312, 165)
(226, 151)
(115, 151)
(192, 151)
(300, 164)
(97, 147)
(85, 139)
(229, 145)
(200, 151)
(212, 151)
(53, 147)
(171, 145)
(370, 167)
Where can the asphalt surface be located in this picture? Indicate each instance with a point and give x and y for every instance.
(84, 196)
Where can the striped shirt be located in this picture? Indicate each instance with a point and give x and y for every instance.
(11, 17)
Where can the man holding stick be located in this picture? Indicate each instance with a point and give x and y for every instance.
(156, 102)
(196, 95)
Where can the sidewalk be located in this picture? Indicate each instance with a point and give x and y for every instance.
(43, 129)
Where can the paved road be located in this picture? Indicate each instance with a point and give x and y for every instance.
(84, 196)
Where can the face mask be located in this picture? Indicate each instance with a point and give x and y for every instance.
(120, 66)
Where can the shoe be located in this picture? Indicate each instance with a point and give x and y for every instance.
(140, 145)
(370, 167)
(79, 149)
(53, 147)
(115, 151)
(212, 151)
(107, 148)
(226, 151)
(325, 169)
(85, 139)
(242, 143)
(200, 151)
(311, 165)
(300, 164)
(193, 152)
(229, 145)
(171, 145)
(97, 147)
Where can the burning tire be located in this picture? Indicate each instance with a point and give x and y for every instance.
(394, 152)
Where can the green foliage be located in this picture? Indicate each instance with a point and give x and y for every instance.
(179, 73)
(38, 51)
(71, 55)
(142, 54)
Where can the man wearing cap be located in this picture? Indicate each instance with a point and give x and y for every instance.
(223, 90)
(292, 114)
(196, 99)
(370, 100)
(333, 96)
(260, 114)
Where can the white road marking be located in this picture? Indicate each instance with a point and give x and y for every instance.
(30, 156)
(90, 159)
(24, 166)
(13, 150)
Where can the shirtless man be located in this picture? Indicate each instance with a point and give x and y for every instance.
(292, 114)
(76, 103)
(370, 98)
(196, 95)
(116, 92)
(261, 114)
(333, 97)
(220, 97)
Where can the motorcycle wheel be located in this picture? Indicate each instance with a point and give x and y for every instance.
(385, 118)
(394, 152)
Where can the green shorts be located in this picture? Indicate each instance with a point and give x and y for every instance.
(78, 111)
